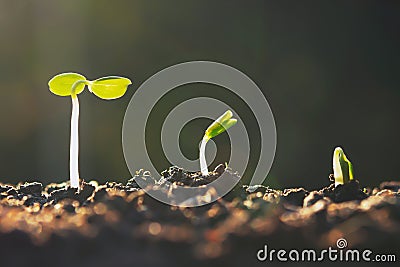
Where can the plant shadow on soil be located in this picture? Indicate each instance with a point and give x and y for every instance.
(119, 224)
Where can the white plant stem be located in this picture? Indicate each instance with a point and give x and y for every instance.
(337, 171)
(202, 157)
(74, 144)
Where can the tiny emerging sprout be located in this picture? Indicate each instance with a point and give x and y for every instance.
(72, 84)
(219, 126)
(342, 167)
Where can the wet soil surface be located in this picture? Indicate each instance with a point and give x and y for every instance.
(117, 224)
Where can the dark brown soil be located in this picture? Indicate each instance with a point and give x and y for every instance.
(119, 225)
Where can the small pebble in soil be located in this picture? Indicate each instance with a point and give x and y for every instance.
(312, 198)
(392, 185)
(294, 196)
(82, 195)
(34, 188)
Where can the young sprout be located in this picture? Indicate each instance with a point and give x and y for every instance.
(219, 126)
(342, 167)
(72, 84)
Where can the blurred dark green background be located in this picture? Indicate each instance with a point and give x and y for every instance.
(329, 69)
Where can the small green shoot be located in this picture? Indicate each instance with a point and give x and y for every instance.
(72, 84)
(219, 126)
(342, 167)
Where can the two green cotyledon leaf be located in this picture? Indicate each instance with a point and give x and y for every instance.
(220, 125)
(110, 87)
(61, 84)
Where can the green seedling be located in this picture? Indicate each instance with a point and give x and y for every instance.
(342, 167)
(219, 126)
(72, 84)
